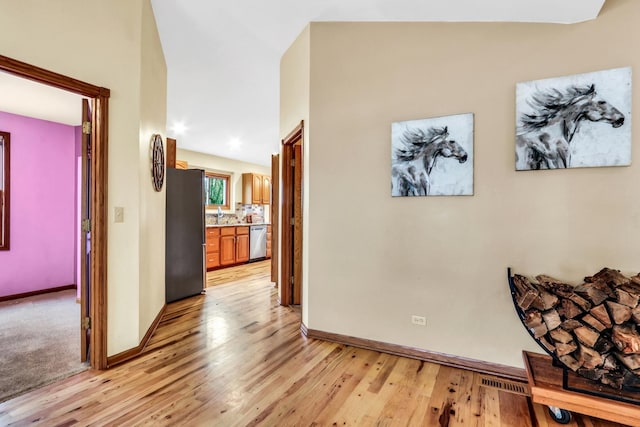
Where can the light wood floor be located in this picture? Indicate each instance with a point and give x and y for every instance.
(233, 357)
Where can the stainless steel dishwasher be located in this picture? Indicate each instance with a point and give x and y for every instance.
(257, 242)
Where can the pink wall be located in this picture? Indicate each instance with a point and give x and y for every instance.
(43, 206)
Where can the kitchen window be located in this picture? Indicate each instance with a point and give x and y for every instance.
(217, 190)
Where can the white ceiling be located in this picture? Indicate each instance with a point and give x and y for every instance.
(223, 57)
(223, 61)
(27, 98)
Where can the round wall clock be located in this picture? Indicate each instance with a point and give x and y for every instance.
(157, 162)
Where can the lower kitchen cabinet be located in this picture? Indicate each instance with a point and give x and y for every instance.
(268, 255)
(227, 245)
(242, 244)
(213, 247)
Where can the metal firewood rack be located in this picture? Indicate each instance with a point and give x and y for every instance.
(561, 390)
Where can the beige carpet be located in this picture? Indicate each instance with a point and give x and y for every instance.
(39, 342)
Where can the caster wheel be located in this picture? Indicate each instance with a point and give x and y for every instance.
(560, 416)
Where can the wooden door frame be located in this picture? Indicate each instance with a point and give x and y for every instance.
(288, 259)
(98, 193)
(275, 215)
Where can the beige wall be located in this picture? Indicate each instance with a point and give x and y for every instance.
(153, 92)
(232, 167)
(373, 260)
(101, 43)
(295, 73)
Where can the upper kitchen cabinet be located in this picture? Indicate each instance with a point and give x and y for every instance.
(256, 189)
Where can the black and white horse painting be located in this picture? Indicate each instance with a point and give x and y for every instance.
(575, 121)
(432, 156)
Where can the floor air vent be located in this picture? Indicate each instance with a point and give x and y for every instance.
(510, 386)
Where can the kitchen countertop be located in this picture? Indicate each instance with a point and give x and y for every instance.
(238, 225)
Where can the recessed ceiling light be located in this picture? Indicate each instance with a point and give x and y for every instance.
(234, 144)
(179, 128)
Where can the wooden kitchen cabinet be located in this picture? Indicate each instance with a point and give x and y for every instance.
(242, 244)
(266, 189)
(234, 245)
(268, 255)
(256, 189)
(213, 247)
(227, 245)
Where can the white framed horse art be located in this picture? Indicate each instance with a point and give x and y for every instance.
(575, 121)
(432, 157)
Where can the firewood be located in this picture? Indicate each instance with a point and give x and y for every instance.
(589, 358)
(581, 302)
(570, 324)
(554, 286)
(593, 322)
(550, 347)
(603, 345)
(527, 299)
(586, 336)
(532, 318)
(609, 276)
(545, 301)
(592, 374)
(635, 314)
(626, 339)
(522, 284)
(571, 310)
(543, 278)
(632, 288)
(613, 379)
(564, 349)
(533, 321)
(570, 362)
(559, 335)
(539, 330)
(625, 298)
(631, 361)
(620, 313)
(591, 293)
(551, 319)
(604, 287)
(600, 312)
(610, 363)
(592, 328)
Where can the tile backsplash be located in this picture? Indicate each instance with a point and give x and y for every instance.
(240, 216)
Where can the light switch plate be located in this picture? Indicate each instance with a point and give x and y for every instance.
(118, 214)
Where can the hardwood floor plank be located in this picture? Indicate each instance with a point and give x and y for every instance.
(488, 407)
(514, 410)
(234, 357)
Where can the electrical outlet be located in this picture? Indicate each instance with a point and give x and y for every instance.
(419, 320)
(118, 214)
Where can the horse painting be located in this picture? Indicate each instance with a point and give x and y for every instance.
(416, 156)
(547, 135)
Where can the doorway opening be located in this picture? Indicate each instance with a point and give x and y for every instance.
(93, 326)
(291, 218)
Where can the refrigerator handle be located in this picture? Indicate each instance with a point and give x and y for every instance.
(204, 268)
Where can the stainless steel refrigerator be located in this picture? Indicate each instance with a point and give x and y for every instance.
(185, 273)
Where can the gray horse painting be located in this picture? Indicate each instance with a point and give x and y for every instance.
(576, 121)
(427, 160)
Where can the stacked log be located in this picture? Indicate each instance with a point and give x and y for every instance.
(591, 328)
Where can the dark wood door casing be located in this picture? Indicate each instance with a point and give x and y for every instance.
(275, 215)
(98, 192)
(291, 251)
